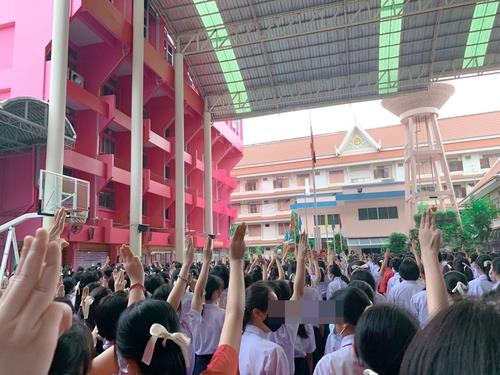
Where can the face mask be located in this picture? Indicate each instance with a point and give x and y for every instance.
(274, 323)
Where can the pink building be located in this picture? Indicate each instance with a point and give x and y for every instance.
(99, 108)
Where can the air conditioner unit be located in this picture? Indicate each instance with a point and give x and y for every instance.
(77, 78)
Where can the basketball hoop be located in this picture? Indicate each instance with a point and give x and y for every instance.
(77, 216)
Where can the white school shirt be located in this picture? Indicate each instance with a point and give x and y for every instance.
(395, 279)
(336, 284)
(212, 320)
(496, 285)
(190, 324)
(333, 342)
(375, 271)
(479, 286)
(475, 272)
(305, 345)
(419, 307)
(402, 293)
(285, 337)
(341, 362)
(260, 356)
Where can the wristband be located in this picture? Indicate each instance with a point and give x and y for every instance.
(183, 279)
(137, 285)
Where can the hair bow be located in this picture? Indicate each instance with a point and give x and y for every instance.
(86, 302)
(369, 372)
(460, 288)
(487, 263)
(356, 267)
(157, 331)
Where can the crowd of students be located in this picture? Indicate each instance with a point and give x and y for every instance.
(427, 312)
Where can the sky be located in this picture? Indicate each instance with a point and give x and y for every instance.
(472, 95)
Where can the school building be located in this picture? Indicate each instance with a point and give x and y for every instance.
(359, 180)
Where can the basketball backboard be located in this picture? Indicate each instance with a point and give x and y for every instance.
(57, 190)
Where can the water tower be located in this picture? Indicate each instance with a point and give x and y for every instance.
(427, 177)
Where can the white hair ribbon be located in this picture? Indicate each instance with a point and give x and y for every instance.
(369, 372)
(486, 263)
(157, 331)
(77, 287)
(356, 267)
(89, 300)
(460, 288)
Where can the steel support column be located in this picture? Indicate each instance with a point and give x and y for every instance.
(180, 175)
(207, 142)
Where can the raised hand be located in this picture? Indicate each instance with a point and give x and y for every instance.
(428, 236)
(189, 250)
(301, 249)
(238, 243)
(28, 316)
(208, 250)
(57, 227)
(119, 280)
(133, 265)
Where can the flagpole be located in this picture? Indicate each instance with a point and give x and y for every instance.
(316, 242)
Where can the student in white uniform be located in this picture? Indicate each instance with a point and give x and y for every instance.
(457, 286)
(495, 273)
(402, 293)
(286, 334)
(335, 274)
(212, 320)
(367, 276)
(382, 335)
(395, 279)
(350, 303)
(482, 284)
(258, 355)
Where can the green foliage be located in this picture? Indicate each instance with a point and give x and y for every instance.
(338, 240)
(398, 243)
(259, 250)
(232, 229)
(447, 222)
(477, 217)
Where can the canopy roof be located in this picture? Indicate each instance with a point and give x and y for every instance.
(255, 57)
(23, 123)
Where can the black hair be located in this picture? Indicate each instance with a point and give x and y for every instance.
(364, 275)
(462, 265)
(223, 273)
(97, 294)
(69, 284)
(408, 269)
(248, 280)
(364, 286)
(214, 284)
(353, 266)
(451, 280)
(349, 305)
(152, 282)
(132, 336)
(108, 312)
(382, 335)
(74, 351)
(335, 270)
(282, 289)
(496, 266)
(162, 292)
(256, 297)
(484, 262)
(66, 301)
(395, 263)
(460, 339)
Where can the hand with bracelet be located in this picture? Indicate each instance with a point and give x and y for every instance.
(135, 271)
(175, 296)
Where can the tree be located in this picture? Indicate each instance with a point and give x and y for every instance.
(477, 217)
(398, 243)
(447, 222)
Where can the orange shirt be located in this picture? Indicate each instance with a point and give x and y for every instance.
(224, 362)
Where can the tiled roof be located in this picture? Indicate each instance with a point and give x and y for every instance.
(452, 129)
(492, 173)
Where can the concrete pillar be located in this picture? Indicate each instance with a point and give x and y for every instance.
(180, 175)
(136, 147)
(207, 139)
(57, 97)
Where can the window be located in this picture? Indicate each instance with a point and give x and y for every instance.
(167, 214)
(336, 177)
(280, 183)
(460, 191)
(485, 162)
(455, 165)
(334, 218)
(382, 171)
(251, 185)
(107, 146)
(319, 220)
(254, 208)
(283, 204)
(166, 133)
(167, 172)
(188, 181)
(254, 230)
(380, 213)
(267, 225)
(427, 188)
(107, 199)
(282, 228)
(301, 179)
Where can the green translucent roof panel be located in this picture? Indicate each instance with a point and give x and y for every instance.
(391, 21)
(214, 24)
(479, 34)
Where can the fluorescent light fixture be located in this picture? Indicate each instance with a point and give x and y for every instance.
(479, 34)
(219, 38)
(391, 20)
